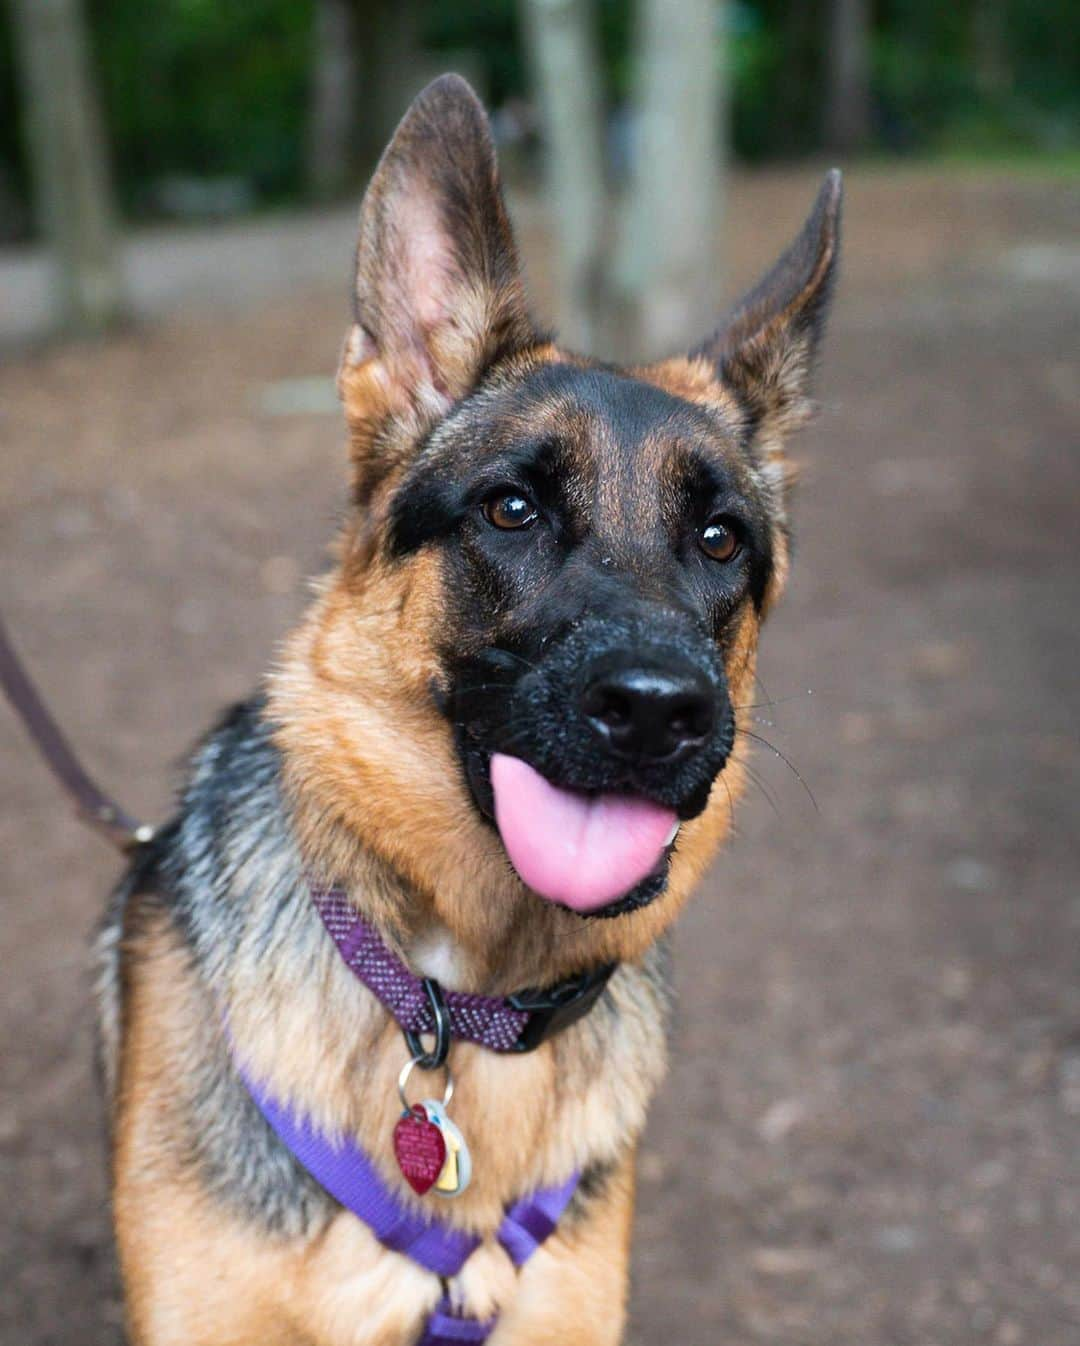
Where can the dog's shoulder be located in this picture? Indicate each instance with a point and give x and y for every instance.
(230, 785)
(171, 928)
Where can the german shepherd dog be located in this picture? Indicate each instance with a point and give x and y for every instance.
(506, 733)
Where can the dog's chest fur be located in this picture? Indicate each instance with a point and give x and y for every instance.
(213, 950)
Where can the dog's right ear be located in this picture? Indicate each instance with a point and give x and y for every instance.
(438, 295)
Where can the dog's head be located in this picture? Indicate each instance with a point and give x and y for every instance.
(564, 564)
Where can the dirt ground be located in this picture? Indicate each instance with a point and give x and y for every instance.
(871, 1131)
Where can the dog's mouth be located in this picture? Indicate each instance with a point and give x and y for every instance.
(595, 853)
(582, 851)
(587, 801)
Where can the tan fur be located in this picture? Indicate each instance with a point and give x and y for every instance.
(197, 1276)
(573, 1293)
(694, 379)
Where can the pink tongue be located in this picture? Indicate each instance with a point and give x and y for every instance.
(579, 850)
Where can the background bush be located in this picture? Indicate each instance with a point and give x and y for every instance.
(220, 88)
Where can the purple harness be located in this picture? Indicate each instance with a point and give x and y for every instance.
(343, 1169)
(349, 1175)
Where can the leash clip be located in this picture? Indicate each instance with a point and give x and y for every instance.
(440, 1012)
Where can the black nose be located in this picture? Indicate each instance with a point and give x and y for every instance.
(650, 713)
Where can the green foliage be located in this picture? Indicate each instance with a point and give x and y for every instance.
(205, 88)
(220, 88)
(488, 27)
(983, 75)
(775, 60)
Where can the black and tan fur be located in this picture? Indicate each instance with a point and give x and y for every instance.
(359, 762)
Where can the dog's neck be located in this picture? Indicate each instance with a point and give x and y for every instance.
(435, 953)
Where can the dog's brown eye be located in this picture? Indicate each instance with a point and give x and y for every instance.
(509, 511)
(718, 541)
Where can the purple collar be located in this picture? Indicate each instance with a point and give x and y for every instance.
(516, 1023)
(350, 1176)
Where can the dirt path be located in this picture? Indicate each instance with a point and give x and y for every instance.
(871, 1133)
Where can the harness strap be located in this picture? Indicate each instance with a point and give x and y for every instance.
(344, 1170)
(445, 1328)
(349, 1175)
(533, 1219)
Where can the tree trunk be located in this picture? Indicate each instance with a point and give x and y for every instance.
(334, 107)
(392, 70)
(990, 43)
(847, 107)
(66, 145)
(668, 264)
(566, 74)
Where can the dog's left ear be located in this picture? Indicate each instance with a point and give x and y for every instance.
(438, 294)
(765, 349)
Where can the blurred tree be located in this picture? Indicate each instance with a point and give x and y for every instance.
(367, 67)
(224, 101)
(66, 151)
(847, 92)
(669, 264)
(991, 47)
(392, 69)
(488, 35)
(334, 98)
(568, 82)
(206, 89)
(14, 215)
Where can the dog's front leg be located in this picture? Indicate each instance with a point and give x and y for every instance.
(573, 1290)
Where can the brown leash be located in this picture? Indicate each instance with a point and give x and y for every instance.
(91, 804)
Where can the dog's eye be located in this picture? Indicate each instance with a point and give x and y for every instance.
(508, 509)
(719, 541)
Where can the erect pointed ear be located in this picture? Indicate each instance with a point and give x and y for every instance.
(764, 350)
(438, 294)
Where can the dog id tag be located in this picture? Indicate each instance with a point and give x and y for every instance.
(420, 1149)
(457, 1171)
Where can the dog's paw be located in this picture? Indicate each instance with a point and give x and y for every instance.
(486, 1284)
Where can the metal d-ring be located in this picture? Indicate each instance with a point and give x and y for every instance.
(440, 1013)
(406, 1071)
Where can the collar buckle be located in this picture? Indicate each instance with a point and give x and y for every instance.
(557, 1007)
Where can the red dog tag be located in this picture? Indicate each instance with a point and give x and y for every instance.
(420, 1149)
